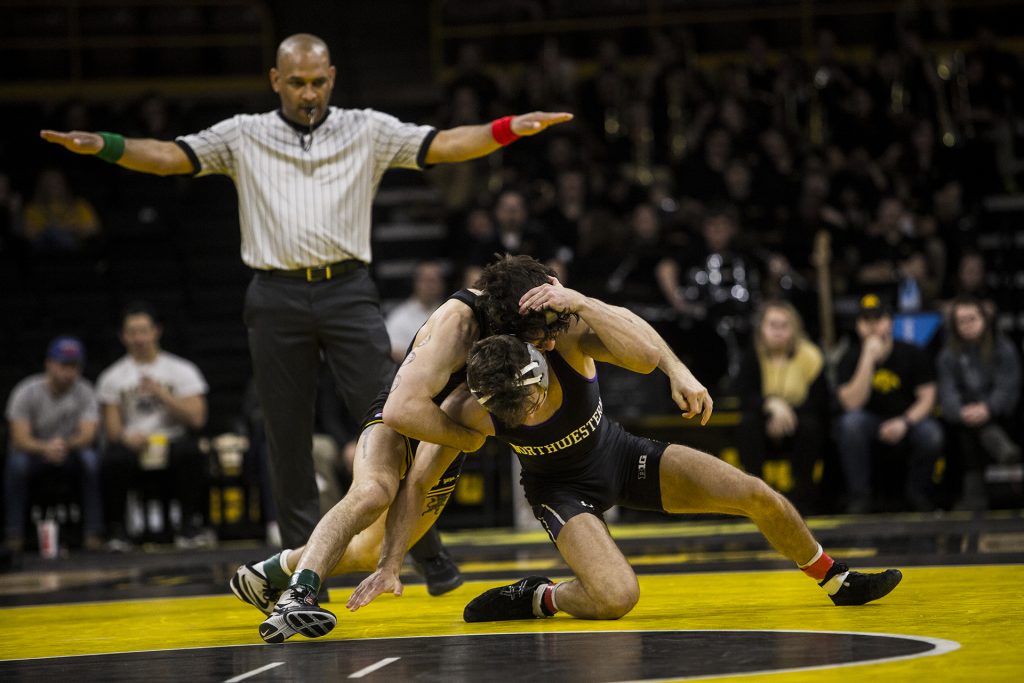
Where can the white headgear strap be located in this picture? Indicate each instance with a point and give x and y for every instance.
(534, 372)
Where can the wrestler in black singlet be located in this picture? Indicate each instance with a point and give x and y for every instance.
(579, 460)
(374, 415)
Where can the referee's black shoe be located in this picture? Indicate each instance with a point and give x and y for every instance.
(858, 588)
(441, 573)
(297, 612)
(506, 603)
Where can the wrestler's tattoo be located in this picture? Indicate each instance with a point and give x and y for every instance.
(366, 442)
(423, 343)
(398, 380)
(410, 358)
(435, 504)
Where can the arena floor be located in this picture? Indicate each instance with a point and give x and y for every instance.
(716, 604)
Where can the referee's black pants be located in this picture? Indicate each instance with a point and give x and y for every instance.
(290, 323)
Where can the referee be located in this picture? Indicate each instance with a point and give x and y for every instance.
(306, 175)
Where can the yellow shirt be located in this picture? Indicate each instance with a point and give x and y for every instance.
(790, 378)
(76, 218)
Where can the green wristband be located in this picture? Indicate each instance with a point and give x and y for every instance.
(308, 578)
(113, 147)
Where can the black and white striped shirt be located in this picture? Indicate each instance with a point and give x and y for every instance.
(305, 202)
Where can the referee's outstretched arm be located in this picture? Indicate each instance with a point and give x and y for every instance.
(137, 154)
(161, 157)
(470, 142)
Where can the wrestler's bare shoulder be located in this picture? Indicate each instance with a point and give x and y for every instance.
(453, 322)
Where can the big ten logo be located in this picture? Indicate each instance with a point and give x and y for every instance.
(470, 489)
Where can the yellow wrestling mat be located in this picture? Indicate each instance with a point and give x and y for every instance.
(979, 607)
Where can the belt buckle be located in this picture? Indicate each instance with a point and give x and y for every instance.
(318, 273)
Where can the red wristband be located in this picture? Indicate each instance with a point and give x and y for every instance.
(501, 131)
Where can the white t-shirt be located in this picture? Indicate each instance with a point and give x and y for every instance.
(145, 414)
(404, 321)
(50, 415)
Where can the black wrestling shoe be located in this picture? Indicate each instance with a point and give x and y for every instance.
(507, 602)
(251, 586)
(441, 573)
(297, 612)
(858, 588)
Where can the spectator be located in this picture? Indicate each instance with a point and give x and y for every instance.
(516, 234)
(469, 73)
(153, 402)
(887, 394)
(970, 281)
(55, 219)
(784, 400)
(633, 280)
(428, 288)
(979, 386)
(562, 220)
(713, 292)
(53, 419)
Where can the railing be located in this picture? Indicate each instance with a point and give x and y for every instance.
(798, 17)
(60, 49)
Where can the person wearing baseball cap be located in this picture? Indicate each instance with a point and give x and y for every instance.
(67, 351)
(887, 392)
(53, 418)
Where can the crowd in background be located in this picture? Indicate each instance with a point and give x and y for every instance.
(722, 203)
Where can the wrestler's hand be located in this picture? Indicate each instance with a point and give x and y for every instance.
(537, 121)
(691, 396)
(77, 141)
(381, 581)
(551, 296)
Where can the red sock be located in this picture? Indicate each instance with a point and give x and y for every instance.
(548, 599)
(818, 565)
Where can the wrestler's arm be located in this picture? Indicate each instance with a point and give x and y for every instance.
(617, 335)
(607, 335)
(440, 349)
(428, 466)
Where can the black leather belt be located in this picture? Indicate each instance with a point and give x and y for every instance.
(318, 273)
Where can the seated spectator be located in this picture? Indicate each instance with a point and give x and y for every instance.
(979, 386)
(886, 389)
(784, 400)
(516, 234)
(970, 282)
(428, 290)
(152, 402)
(53, 419)
(55, 219)
(713, 289)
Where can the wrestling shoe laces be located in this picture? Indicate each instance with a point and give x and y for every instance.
(297, 612)
(251, 586)
(857, 588)
(506, 603)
